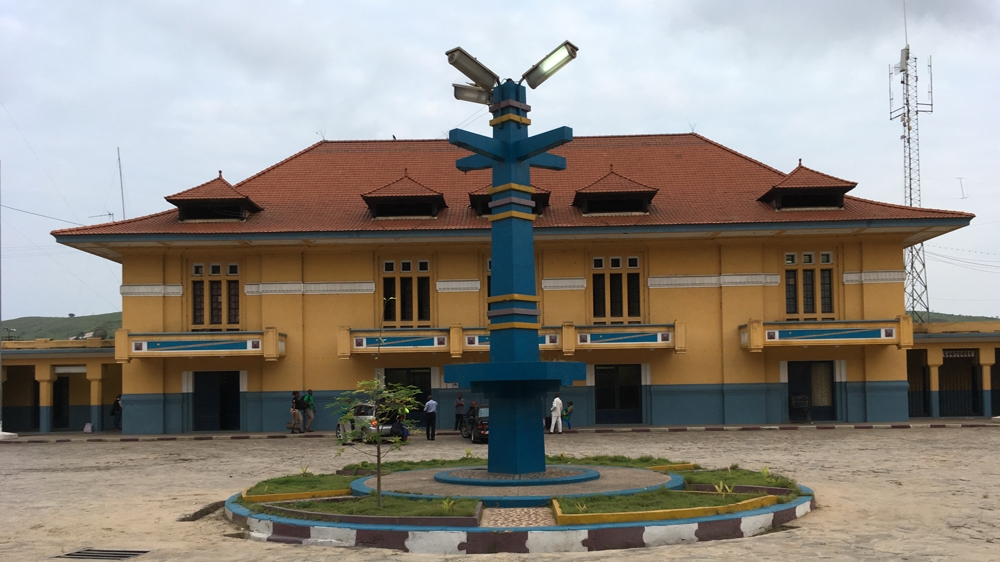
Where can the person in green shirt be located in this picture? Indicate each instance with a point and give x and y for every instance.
(310, 409)
(567, 414)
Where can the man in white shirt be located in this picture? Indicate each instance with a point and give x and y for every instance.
(430, 415)
(556, 411)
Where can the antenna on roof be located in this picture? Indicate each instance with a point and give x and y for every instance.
(800, 161)
(917, 301)
(220, 174)
(962, 187)
(121, 182)
(112, 215)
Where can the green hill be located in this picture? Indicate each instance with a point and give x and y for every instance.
(34, 327)
(942, 317)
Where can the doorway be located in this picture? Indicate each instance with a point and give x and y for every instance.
(420, 378)
(617, 394)
(918, 375)
(216, 401)
(960, 391)
(810, 391)
(60, 403)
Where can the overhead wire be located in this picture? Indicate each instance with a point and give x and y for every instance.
(39, 215)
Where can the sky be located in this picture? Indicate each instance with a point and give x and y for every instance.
(185, 89)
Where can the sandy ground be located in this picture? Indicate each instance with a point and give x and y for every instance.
(913, 494)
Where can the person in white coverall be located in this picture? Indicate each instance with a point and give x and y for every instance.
(556, 412)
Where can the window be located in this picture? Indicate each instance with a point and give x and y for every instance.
(406, 298)
(616, 297)
(805, 294)
(197, 302)
(215, 304)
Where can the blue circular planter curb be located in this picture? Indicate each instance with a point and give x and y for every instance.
(676, 482)
(585, 475)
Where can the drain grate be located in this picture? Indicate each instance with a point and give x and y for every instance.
(102, 554)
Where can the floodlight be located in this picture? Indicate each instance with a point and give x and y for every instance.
(471, 93)
(475, 70)
(550, 64)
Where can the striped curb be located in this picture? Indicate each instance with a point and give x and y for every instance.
(486, 540)
(332, 435)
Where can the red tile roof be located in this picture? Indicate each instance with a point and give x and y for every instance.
(218, 189)
(403, 187)
(320, 189)
(802, 177)
(613, 182)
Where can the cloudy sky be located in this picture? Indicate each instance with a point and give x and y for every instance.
(188, 88)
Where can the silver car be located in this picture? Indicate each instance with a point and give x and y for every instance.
(363, 420)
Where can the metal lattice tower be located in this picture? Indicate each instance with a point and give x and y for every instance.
(917, 301)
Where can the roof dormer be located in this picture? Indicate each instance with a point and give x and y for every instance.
(805, 189)
(216, 200)
(480, 200)
(614, 194)
(404, 198)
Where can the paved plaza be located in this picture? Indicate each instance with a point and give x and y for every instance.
(915, 494)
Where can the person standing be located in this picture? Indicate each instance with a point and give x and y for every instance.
(297, 406)
(430, 415)
(568, 414)
(116, 412)
(459, 411)
(310, 409)
(556, 411)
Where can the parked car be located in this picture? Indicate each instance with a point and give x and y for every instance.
(480, 426)
(363, 419)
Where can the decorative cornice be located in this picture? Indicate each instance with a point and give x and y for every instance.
(151, 290)
(564, 284)
(457, 286)
(724, 280)
(874, 276)
(328, 288)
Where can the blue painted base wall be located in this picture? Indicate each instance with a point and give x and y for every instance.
(694, 404)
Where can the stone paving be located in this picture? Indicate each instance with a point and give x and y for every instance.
(517, 517)
(915, 494)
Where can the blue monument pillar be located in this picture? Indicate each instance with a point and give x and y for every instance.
(515, 381)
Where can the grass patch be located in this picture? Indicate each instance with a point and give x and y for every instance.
(661, 498)
(391, 507)
(610, 460)
(395, 466)
(739, 477)
(298, 483)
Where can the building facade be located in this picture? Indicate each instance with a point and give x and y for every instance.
(699, 286)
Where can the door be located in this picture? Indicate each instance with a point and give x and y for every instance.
(420, 378)
(810, 391)
(60, 403)
(959, 384)
(918, 377)
(216, 401)
(617, 394)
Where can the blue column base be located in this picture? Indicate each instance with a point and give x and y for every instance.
(517, 439)
(45, 419)
(887, 401)
(935, 404)
(96, 417)
(988, 404)
(142, 414)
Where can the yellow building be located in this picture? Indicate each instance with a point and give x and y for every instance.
(699, 286)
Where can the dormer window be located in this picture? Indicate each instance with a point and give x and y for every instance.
(404, 198)
(480, 200)
(216, 200)
(614, 194)
(805, 189)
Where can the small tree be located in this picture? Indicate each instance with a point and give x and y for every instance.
(389, 404)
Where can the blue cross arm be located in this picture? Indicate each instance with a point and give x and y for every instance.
(483, 146)
(544, 160)
(533, 146)
(474, 162)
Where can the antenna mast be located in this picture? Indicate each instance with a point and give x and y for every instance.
(917, 301)
(121, 183)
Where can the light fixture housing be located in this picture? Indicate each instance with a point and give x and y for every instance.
(476, 71)
(549, 65)
(474, 94)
